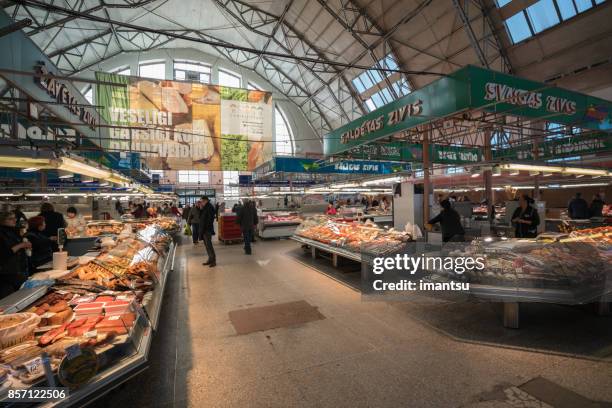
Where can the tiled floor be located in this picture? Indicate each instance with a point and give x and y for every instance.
(363, 354)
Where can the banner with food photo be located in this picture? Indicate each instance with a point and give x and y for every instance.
(246, 128)
(177, 125)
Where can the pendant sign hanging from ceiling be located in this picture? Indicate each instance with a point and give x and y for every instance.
(471, 88)
(61, 93)
(391, 118)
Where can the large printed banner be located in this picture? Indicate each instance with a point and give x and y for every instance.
(178, 125)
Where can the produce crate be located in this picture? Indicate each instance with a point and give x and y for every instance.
(229, 231)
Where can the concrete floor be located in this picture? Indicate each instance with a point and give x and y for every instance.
(363, 354)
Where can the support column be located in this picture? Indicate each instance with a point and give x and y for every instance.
(487, 174)
(426, 183)
(536, 153)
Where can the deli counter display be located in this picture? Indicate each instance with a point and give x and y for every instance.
(348, 238)
(277, 224)
(90, 329)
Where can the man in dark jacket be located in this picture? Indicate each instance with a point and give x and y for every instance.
(578, 208)
(597, 205)
(450, 223)
(207, 221)
(247, 219)
(53, 220)
(193, 219)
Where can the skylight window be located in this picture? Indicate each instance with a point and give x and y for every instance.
(542, 15)
(372, 86)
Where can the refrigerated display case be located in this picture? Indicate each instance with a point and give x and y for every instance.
(277, 224)
(350, 239)
(92, 329)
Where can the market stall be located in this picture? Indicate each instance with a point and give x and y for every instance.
(88, 328)
(348, 239)
(277, 224)
(568, 269)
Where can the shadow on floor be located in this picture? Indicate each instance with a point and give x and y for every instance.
(348, 272)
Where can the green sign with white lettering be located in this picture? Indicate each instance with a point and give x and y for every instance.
(472, 88)
(566, 147)
(455, 154)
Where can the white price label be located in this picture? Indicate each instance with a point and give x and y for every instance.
(114, 318)
(34, 366)
(47, 315)
(93, 333)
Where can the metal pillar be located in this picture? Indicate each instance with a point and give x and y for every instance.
(426, 180)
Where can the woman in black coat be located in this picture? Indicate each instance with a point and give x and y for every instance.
(14, 265)
(42, 245)
(525, 219)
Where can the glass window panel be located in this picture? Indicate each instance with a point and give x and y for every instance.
(567, 9)
(390, 62)
(599, 1)
(227, 78)
(378, 101)
(370, 104)
(193, 176)
(156, 71)
(358, 85)
(253, 86)
(178, 74)
(89, 95)
(366, 80)
(518, 27)
(126, 71)
(386, 95)
(583, 5)
(376, 76)
(502, 3)
(542, 15)
(205, 78)
(283, 138)
(192, 66)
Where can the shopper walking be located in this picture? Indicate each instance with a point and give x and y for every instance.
(194, 221)
(525, 218)
(185, 213)
(578, 208)
(247, 219)
(207, 222)
(450, 223)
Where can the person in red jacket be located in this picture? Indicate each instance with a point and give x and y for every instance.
(331, 210)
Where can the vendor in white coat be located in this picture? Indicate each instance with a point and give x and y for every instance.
(75, 222)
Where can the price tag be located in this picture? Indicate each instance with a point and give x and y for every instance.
(61, 292)
(114, 318)
(73, 351)
(93, 333)
(34, 366)
(47, 315)
(123, 297)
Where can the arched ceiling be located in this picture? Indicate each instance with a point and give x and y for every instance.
(422, 35)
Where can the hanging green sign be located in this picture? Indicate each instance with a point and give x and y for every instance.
(455, 154)
(389, 152)
(566, 147)
(472, 88)
(408, 111)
